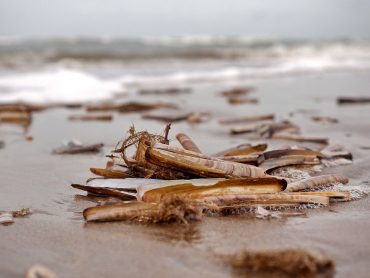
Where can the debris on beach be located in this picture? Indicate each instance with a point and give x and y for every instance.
(149, 176)
(40, 271)
(282, 263)
(130, 107)
(246, 119)
(19, 107)
(2, 144)
(76, 147)
(165, 91)
(23, 212)
(353, 100)
(198, 117)
(106, 117)
(239, 95)
(168, 116)
(325, 120)
(16, 114)
(171, 116)
(237, 91)
(267, 128)
(241, 100)
(169, 210)
(6, 218)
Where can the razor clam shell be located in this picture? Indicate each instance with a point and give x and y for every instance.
(79, 149)
(336, 151)
(278, 198)
(167, 115)
(142, 185)
(123, 184)
(203, 167)
(116, 212)
(333, 195)
(273, 163)
(243, 149)
(109, 173)
(251, 127)
(316, 182)
(299, 138)
(287, 152)
(142, 189)
(247, 159)
(125, 195)
(221, 188)
(187, 143)
(180, 151)
(246, 119)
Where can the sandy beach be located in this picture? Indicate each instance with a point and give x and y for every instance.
(57, 236)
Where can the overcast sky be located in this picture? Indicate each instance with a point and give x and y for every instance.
(122, 18)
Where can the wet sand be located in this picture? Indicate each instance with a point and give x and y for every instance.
(56, 235)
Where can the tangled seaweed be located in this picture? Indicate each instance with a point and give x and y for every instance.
(290, 262)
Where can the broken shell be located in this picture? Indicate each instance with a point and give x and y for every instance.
(40, 271)
(6, 218)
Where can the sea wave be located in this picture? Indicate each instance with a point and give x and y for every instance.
(73, 69)
(17, 51)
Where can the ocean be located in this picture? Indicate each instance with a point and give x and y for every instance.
(70, 70)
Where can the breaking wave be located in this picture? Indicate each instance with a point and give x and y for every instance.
(86, 69)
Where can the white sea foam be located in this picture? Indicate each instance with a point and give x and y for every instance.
(59, 86)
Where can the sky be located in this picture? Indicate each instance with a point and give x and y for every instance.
(138, 18)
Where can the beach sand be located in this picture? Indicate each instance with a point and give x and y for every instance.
(56, 235)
